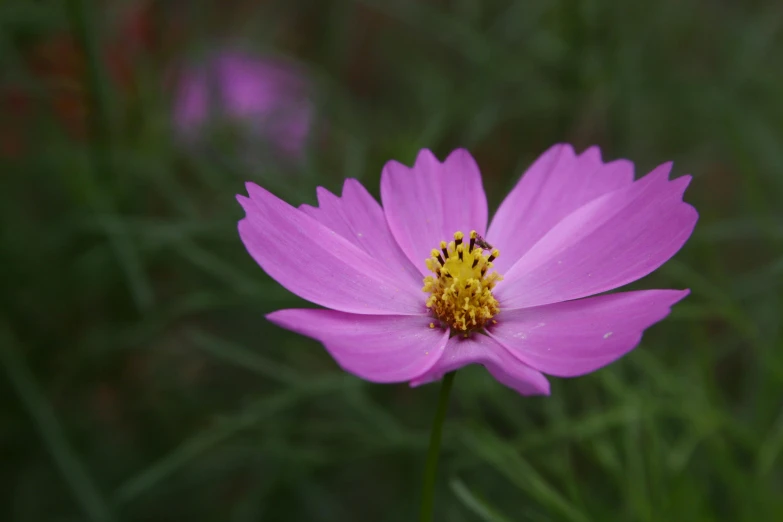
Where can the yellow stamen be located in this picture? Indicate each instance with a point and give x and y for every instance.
(461, 289)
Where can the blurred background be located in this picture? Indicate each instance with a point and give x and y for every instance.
(139, 380)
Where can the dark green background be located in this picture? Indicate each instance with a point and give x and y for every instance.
(140, 381)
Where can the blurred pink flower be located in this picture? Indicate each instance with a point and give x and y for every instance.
(572, 227)
(267, 96)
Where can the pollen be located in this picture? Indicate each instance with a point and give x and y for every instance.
(461, 287)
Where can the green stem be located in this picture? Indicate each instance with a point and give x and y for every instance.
(431, 466)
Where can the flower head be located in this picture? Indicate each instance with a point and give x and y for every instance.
(267, 97)
(421, 286)
(461, 285)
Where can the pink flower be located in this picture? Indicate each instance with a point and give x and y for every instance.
(269, 97)
(572, 227)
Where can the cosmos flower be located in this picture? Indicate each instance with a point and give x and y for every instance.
(421, 286)
(267, 97)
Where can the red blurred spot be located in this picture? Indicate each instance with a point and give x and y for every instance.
(60, 65)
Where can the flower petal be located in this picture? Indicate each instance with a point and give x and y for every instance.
(555, 185)
(609, 242)
(378, 348)
(319, 265)
(359, 218)
(578, 337)
(425, 204)
(502, 365)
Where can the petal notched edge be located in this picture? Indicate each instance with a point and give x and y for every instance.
(556, 184)
(316, 263)
(428, 202)
(607, 243)
(359, 218)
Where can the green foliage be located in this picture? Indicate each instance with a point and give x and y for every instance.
(141, 382)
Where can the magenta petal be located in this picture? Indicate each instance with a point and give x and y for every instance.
(374, 347)
(425, 204)
(578, 337)
(502, 365)
(318, 264)
(609, 242)
(555, 185)
(357, 217)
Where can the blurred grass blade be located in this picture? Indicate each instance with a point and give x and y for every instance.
(770, 450)
(244, 358)
(216, 267)
(507, 461)
(101, 144)
(592, 425)
(51, 432)
(478, 506)
(222, 431)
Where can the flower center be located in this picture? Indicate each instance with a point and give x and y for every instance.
(461, 289)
